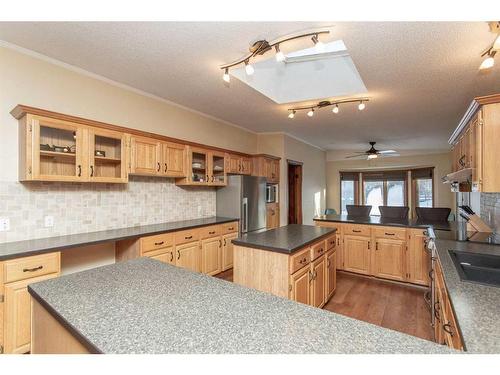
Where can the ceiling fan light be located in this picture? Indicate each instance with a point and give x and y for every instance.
(335, 109)
(279, 55)
(226, 77)
(372, 156)
(249, 68)
(311, 112)
(361, 106)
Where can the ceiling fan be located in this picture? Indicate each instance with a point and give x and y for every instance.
(373, 153)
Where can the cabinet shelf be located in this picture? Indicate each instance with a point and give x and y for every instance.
(104, 159)
(55, 154)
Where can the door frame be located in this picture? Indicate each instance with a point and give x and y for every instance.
(294, 191)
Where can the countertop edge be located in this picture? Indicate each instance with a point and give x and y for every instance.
(48, 249)
(72, 330)
(282, 250)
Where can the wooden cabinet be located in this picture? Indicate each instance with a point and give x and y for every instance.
(357, 254)
(217, 169)
(331, 274)
(272, 215)
(227, 250)
(267, 166)
(205, 167)
(107, 156)
(389, 258)
(211, 255)
(300, 290)
(173, 160)
(417, 258)
(15, 302)
(318, 282)
(237, 164)
(188, 256)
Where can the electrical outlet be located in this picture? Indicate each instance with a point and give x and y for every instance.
(49, 221)
(4, 224)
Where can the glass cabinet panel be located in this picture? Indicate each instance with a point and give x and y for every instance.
(218, 172)
(106, 152)
(199, 167)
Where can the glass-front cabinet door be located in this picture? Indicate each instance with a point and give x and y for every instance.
(199, 168)
(107, 156)
(57, 150)
(218, 173)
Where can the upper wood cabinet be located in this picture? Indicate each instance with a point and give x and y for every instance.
(237, 164)
(475, 143)
(205, 167)
(173, 160)
(267, 166)
(272, 215)
(57, 150)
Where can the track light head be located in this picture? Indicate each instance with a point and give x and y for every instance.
(311, 112)
(361, 105)
(279, 55)
(249, 68)
(226, 77)
(291, 114)
(335, 109)
(318, 44)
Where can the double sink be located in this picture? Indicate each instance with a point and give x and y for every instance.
(478, 268)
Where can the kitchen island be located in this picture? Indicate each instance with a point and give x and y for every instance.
(145, 306)
(295, 261)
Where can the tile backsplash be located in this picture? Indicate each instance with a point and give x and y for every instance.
(79, 208)
(490, 210)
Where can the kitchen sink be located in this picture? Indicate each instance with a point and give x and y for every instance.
(478, 268)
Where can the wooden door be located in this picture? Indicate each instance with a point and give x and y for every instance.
(59, 151)
(211, 256)
(418, 259)
(389, 259)
(17, 318)
(163, 255)
(173, 160)
(272, 215)
(246, 166)
(357, 254)
(107, 154)
(217, 167)
(227, 250)
(331, 274)
(294, 193)
(233, 164)
(145, 156)
(318, 286)
(300, 289)
(188, 256)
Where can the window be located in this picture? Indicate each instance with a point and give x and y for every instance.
(423, 192)
(384, 188)
(348, 190)
(374, 195)
(396, 193)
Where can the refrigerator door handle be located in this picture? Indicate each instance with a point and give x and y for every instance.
(245, 215)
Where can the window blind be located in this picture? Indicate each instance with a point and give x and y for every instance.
(420, 173)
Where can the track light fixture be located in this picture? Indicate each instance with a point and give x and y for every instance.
(489, 54)
(260, 47)
(326, 103)
(489, 61)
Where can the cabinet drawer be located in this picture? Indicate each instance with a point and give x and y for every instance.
(390, 232)
(358, 230)
(331, 242)
(229, 227)
(28, 267)
(318, 249)
(156, 242)
(299, 260)
(211, 231)
(186, 236)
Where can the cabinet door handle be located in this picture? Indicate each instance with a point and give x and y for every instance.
(220, 243)
(310, 276)
(171, 256)
(159, 243)
(159, 167)
(447, 329)
(328, 263)
(79, 171)
(213, 178)
(389, 234)
(91, 171)
(188, 237)
(376, 245)
(224, 242)
(166, 168)
(178, 255)
(232, 228)
(211, 232)
(356, 231)
(32, 269)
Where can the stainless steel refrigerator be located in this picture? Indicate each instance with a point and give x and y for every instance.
(244, 197)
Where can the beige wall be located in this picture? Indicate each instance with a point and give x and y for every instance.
(313, 179)
(442, 163)
(34, 82)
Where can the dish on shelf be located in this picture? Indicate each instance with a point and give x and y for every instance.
(197, 165)
(218, 168)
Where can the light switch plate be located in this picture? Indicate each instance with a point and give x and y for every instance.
(49, 221)
(4, 224)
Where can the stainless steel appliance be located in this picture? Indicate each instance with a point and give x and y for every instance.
(244, 197)
(271, 193)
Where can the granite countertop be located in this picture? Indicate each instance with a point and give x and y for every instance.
(44, 245)
(287, 239)
(393, 222)
(476, 306)
(145, 306)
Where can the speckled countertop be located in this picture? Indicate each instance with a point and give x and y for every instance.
(476, 306)
(44, 245)
(378, 220)
(285, 239)
(144, 306)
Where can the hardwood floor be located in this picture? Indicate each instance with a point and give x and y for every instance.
(398, 307)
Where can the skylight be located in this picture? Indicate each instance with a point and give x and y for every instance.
(305, 75)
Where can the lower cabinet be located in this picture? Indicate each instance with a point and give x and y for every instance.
(211, 256)
(272, 215)
(418, 258)
(318, 282)
(188, 256)
(389, 259)
(331, 271)
(165, 255)
(357, 254)
(299, 285)
(15, 314)
(227, 250)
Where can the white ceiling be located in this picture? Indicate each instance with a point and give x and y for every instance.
(421, 76)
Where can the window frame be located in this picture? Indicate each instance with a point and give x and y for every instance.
(356, 191)
(385, 192)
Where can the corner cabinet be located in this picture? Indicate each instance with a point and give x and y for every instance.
(236, 164)
(267, 166)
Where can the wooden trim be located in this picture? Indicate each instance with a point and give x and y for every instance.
(293, 162)
(21, 110)
(263, 155)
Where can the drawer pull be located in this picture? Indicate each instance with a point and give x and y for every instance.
(356, 231)
(447, 329)
(232, 228)
(211, 232)
(32, 269)
(320, 250)
(188, 237)
(389, 234)
(159, 243)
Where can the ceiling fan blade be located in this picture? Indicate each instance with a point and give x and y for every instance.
(389, 155)
(387, 152)
(356, 156)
